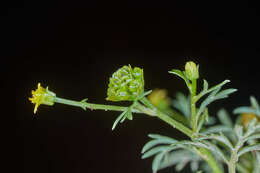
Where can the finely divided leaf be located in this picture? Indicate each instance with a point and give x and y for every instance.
(155, 150)
(181, 75)
(118, 119)
(245, 109)
(153, 143)
(182, 103)
(156, 162)
(217, 129)
(254, 103)
(224, 118)
(255, 147)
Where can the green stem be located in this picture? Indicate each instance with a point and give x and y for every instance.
(166, 118)
(149, 110)
(177, 116)
(207, 156)
(193, 105)
(91, 106)
(232, 162)
(231, 168)
(204, 153)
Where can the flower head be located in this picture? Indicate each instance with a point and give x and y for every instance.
(159, 98)
(42, 96)
(125, 84)
(247, 117)
(192, 70)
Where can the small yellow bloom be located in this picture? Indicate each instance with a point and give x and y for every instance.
(159, 98)
(42, 96)
(247, 117)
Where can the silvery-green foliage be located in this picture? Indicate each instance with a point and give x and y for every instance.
(240, 146)
(215, 93)
(171, 152)
(255, 109)
(182, 104)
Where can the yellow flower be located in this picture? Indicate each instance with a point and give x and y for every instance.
(42, 96)
(159, 98)
(247, 117)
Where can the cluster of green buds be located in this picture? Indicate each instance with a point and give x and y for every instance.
(126, 84)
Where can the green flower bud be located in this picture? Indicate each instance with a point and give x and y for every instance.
(192, 70)
(125, 84)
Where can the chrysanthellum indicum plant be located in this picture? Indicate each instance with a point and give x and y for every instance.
(211, 147)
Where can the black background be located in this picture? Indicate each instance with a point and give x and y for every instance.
(74, 46)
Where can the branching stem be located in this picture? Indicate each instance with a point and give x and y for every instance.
(151, 110)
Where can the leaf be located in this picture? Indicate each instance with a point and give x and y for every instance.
(118, 119)
(217, 129)
(155, 150)
(145, 94)
(213, 148)
(254, 147)
(194, 166)
(182, 103)
(204, 92)
(254, 103)
(207, 101)
(220, 138)
(225, 93)
(153, 143)
(191, 143)
(213, 96)
(129, 115)
(202, 119)
(181, 75)
(239, 131)
(205, 86)
(156, 162)
(177, 156)
(251, 127)
(245, 109)
(252, 137)
(224, 118)
(157, 136)
(181, 165)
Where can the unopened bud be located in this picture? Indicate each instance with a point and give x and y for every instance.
(192, 70)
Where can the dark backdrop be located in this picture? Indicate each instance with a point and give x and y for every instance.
(74, 46)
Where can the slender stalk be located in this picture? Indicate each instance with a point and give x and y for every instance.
(177, 116)
(207, 156)
(193, 105)
(231, 168)
(204, 153)
(91, 106)
(167, 119)
(149, 110)
(232, 162)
